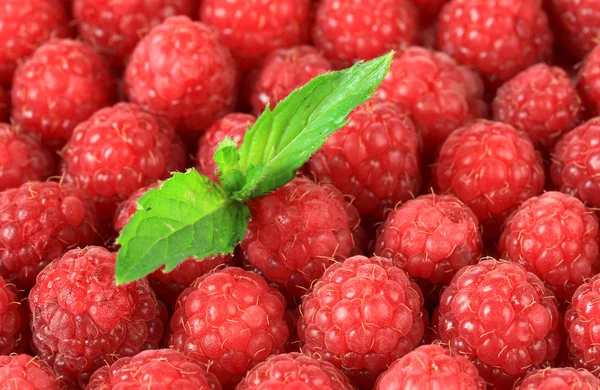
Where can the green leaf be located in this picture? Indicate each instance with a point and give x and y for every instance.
(189, 215)
(282, 140)
(227, 157)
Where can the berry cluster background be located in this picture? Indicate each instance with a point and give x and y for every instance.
(446, 238)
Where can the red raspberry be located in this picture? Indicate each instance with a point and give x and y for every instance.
(232, 125)
(555, 237)
(62, 84)
(4, 105)
(440, 94)
(115, 27)
(431, 237)
(181, 71)
(588, 82)
(252, 29)
(431, 367)
(574, 169)
(117, 151)
(560, 378)
(157, 368)
(577, 24)
(38, 223)
(492, 168)
(25, 25)
(82, 321)
(502, 318)
(360, 316)
(347, 31)
(298, 231)
(14, 320)
(295, 371)
(375, 158)
(283, 71)
(231, 320)
(22, 158)
(498, 38)
(26, 372)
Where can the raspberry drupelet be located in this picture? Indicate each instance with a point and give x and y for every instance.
(576, 23)
(588, 82)
(492, 168)
(559, 378)
(363, 314)
(182, 72)
(230, 320)
(83, 321)
(297, 231)
(27, 372)
(62, 84)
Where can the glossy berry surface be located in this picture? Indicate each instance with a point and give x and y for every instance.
(577, 24)
(27, 372)
(560, 378)
(14, 318)
(588, 82)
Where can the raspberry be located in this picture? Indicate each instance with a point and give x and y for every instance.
(116, 151)
(431, 367)
(298, 231)
(283, 71)
(232, 125)
(588, 82)
(82, 321)
(502, 318)
(431, 237)
(115, 27)
(39, 221)
(555, 237)
(62, 84)
(360, 316)
(492, 168)
(294, 371)
(25, 25)
(440, 94)
(498, 38)
(574, 169)
(14, 320)
(4, 105)
(231, 320)
(22, 158)
(375, 158)
(559, 378)
(26, 372)
(576, 23)
(181, 71)
(157, 368)
(252, 29)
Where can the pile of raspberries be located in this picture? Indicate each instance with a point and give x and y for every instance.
(446, 238)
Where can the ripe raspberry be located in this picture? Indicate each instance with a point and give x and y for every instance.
(39, 221)
(588, 82)
(492, 168)
(574, 169)
(298, 231)
(117, 151)
(502, 318)
(440, 94)
(576, 23)
(283, 71)
(26, 372)
(375, 158)
(294, 371)
(555, 237)
(232, 125)
(25, 25)
(431, 237)
(62, 84)
(431, 367)
(560, 378)
(115, 27)
(252, 29)
(4, 105)
(22, 158)
(360, 316)
(498, 38)
(14, 321)
(82, 321)
(230, 320)
(181, 71)
(157, 368)
(347, 31)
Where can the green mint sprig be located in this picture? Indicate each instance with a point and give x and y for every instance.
(190, 215)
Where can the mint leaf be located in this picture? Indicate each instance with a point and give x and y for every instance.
(282, 140)
(189, 215)
(227, 158)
